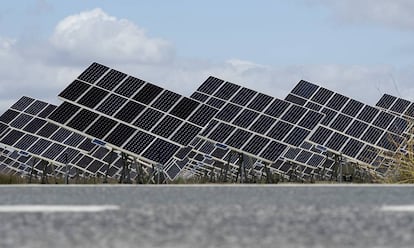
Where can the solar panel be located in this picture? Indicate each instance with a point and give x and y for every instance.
(297, 136)
(337, 102)
(243, 96)
(304, 89)
(30, 133)
(14, 163)
(260, 102)
(348, 124)
(202, 132)
(228, 112)
(396, 106)
(166, 101)
(184, 108)
(260, 126)
(410, 111)
(93, 73)
(227, 91)
(386, 101)
(111, 79)
(147, 94)
(341, 122)
(111, 104)
(132, 115)
(353, 107)
(8, 116)
(357, 128)
(295, 99)
(22, 103)
(383, 120)
(199, 96)
(210, 85)
(129, 87)
(75, 90)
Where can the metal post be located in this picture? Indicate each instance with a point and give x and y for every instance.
(158, 173)
(244, 168)
(134, 163)
(267, 171)
(32, 170)
(54, 172)
(226, 170)
(340, 172)
(220, 177)
(108, 167)
(67, 169)
(338, 161)
(44, 174)
(124, 177)
(241, 168)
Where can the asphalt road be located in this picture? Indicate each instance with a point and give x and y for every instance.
(206, 216)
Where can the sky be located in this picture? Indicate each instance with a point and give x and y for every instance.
(361, 48)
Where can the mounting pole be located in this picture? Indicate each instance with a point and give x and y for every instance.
(67, 169)
(340, 168)
(44, 174)
(158, 167)
(32, 170)
(124, 176)
(108, 167)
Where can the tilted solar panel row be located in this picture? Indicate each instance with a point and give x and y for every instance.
(30, 132)
(359, 131)
(204, 131)
(254, 123)
(129, 114)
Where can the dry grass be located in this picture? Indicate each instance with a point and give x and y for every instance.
(402, 167)
(12, 179)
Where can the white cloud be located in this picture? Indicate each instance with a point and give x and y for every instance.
(391, 13)
(96, 35)
(23, 75)
(42, 71)
(362, 82)
(6, 44)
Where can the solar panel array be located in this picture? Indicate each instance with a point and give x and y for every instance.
(129, 114)
(11, 162)
(105, 109)
(358, 131)
(401, 108)
(396, 106)
(24, 127)
(262, 127)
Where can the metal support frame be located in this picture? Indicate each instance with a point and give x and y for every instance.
(32, 170)
(44, 173)
(67, 169)
(125, 173)
(108, 167)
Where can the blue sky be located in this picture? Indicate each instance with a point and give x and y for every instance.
(362, 48)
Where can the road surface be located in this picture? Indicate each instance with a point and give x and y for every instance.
(207, 216)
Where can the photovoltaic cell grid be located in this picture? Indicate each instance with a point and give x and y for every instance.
(22, 164)
(13, 163)
(10, 163)
(357, 130)
(132, 115)
(254, 123)
(396, 106)
(155, 124)
(29, 131)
